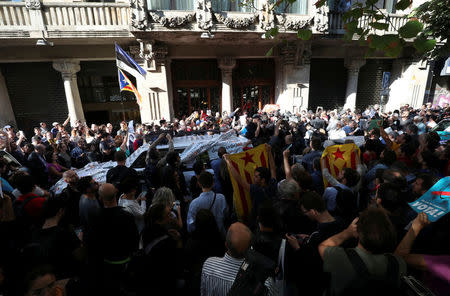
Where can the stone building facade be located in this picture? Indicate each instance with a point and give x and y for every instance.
(199, 54)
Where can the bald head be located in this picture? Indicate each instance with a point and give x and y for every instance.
(107, 193)
(238, 240)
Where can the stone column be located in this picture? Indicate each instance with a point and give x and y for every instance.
(227, 64)
(69, 69)
(353, 66)
(6, 111)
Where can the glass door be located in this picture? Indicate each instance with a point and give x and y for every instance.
(192, 99)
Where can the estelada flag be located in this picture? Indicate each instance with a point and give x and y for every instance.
(245, 163)
(338, 157)
(126, 85)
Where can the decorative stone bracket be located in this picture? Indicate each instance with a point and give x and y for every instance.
(297, 53)
(151, 53)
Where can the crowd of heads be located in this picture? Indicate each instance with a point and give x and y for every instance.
(166, 226)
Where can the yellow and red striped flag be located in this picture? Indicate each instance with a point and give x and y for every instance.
(245, 163)
(337, 157)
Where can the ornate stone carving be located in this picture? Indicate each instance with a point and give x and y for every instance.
(226, 64)
(146, 51)
(237, 22)
(296, 53)
(294, 23)
(321, 19)
(33, 4)
(203, 14)
(354, 64)
(303, 54)
(172, 21)
(68, 69)
(267, 16)
(139, 18)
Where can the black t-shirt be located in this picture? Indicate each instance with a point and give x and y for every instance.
(112, 234)
(117, 174)
(55, 246)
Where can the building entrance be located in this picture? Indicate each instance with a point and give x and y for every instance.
(197, 86)
(253, 84)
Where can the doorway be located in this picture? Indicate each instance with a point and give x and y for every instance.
(253, 84)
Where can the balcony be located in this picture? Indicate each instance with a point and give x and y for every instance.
(64, 20)
(336, 25)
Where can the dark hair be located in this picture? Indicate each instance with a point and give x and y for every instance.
(313, 201)
(128, 184)
(264, 173)
(433, 141)
(221, 151)
(390, 196)
(304, 179)
(427, 180)
(52, 206)
(379, 174)
(389, 157)
(206, 180)
(412, 128)
(155, 213)
(172, 158)
(408, 148)
(24, 183)
(430, 159)
(268, 216)
(84, 184)
(316, 143)
(120, 156)
(352, 177)
(376, 232)
(198, 167)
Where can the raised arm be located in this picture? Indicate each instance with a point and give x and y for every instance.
(338, 239)
(404, 248)
(66, 121)
(327, 175)
(258, 129)
(385, 137)
(273, 168)
(287, 166)
(235, 174)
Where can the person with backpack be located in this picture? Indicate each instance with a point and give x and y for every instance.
(28, 206)
(341, 198)
(208, 199)
(368, 269)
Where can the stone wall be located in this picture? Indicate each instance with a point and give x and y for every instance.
(36, 92)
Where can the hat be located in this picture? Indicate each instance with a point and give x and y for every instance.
(6, 127)
(55, 123)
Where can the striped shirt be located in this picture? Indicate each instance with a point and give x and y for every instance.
(218, 275)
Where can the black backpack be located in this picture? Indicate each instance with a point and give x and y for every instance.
(346, 204)
(252, 274)
(369, 285)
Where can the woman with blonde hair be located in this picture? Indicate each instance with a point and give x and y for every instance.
(166, 197)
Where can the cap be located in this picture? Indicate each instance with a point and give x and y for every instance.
(55, 123)
(6, 127)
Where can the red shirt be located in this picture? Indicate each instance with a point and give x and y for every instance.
(34, 207)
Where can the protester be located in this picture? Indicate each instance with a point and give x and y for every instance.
(145, 232)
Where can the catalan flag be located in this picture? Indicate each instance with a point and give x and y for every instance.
(245, 163)
(337, 157)
(126, 85)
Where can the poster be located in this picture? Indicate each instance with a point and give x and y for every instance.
(435, 202)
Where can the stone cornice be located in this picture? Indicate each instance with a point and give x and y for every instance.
(237, 20)
(172, 19)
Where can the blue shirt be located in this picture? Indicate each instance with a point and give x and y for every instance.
(204, 201)
(308, 159)
(215, 165)
(330, 195)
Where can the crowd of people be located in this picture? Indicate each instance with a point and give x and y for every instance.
(153, 233)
